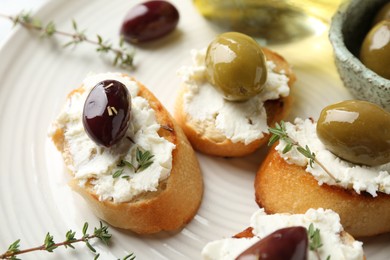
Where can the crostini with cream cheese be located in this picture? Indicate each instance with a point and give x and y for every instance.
(127, 156)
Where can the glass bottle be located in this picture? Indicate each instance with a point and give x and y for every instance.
(276, 21)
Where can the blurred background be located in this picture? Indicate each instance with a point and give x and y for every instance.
(11, 7)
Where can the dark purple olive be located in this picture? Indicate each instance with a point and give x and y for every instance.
(149, 21)
(106, 114)
(284, 244)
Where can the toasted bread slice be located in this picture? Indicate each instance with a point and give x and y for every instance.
(205, 137)
(281, 187)
(176, 200)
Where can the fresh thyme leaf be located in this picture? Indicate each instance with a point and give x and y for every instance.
(117, 173)
(14, 247)
(138, 155)
(314, 238)
(308, 154)
(74, 25)
(102, 233)
(303, 152)
(85, 229)
(128, 164)
(144, 166)
(310, 231)
(116, 59)
(144, 159)
(49, 243)
(273, 139)
(70, 245)
(70, 238)
(147, 156)
(276, 131)
(36, 23)
(328, 258)
(100, 39)
(70, 235)
(68, 44)
(287, 148)
(129, 257)
(24, 17)
(50, 29)
(90, 247)
(103, 46)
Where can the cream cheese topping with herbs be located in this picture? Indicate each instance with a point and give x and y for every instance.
(326, 221)
(371, 179)
(100, 164)
(238, 121)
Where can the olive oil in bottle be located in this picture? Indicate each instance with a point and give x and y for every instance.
(275, 21)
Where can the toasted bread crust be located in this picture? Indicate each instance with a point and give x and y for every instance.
(174, 203)
(199, 136)
(286, 188)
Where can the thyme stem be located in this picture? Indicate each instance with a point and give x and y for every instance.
(122, 56)
(326, 170)
(49, 245)
(8, 254)
(280, 133)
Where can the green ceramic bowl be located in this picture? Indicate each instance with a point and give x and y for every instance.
(348, 28)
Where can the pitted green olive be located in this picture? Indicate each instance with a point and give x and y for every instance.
(375, 50)
(357, 131)
(235, 65)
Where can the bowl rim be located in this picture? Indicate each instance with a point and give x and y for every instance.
(341, 51)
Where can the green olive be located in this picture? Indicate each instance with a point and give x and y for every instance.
(235, 65)
(357, 131)
(375, 50)
(383, 14)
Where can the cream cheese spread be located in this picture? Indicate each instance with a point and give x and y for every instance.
(350, 176)
(237, 121)
(327, 221)
(92, 162)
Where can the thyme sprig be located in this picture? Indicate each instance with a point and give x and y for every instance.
(101, 233)
(314, 237)
(143, 160)
(315, 242)
(279, 133)
(121, 55)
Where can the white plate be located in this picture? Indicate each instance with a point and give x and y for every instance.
(37, 74)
